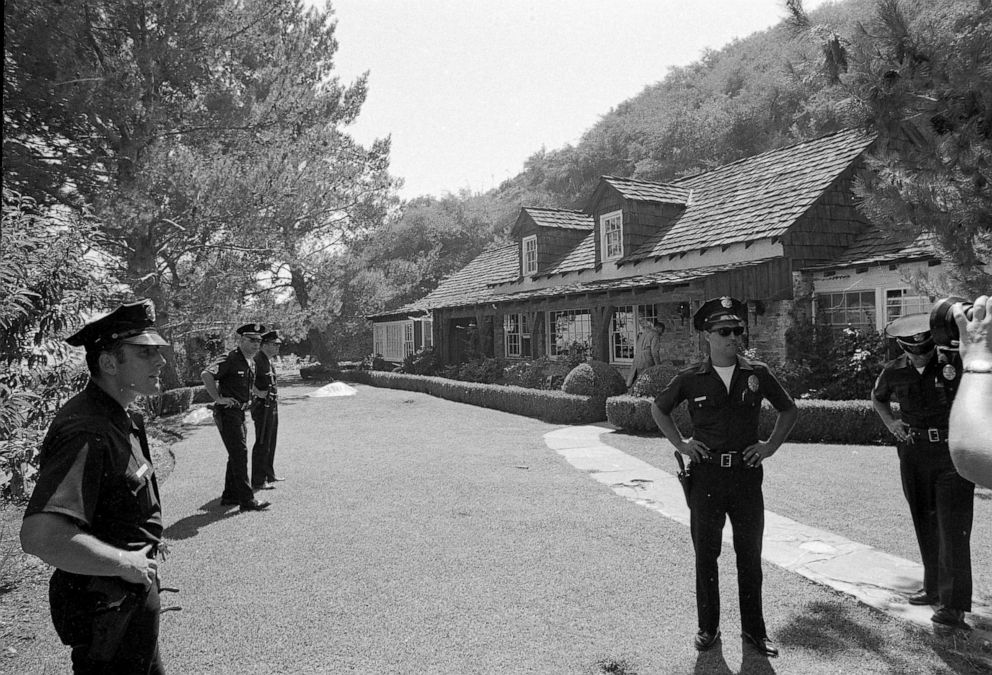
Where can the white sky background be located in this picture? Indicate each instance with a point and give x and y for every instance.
(469, 89)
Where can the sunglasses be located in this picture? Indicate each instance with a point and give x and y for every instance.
(726, 332)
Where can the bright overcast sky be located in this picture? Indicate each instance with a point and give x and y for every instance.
(469, 89)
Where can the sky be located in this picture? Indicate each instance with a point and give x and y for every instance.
(468, 90)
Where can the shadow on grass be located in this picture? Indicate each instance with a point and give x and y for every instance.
(828, 628)
(712, 662)
(189, 527)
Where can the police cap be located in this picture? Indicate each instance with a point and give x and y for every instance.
(912, 332)
(272, 337)
(251, 330)
(719, 310)
(133, 323)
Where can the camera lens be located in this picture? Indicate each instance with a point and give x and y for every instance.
(942, 325)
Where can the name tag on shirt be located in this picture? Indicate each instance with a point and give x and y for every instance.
(141, 471)
(698, 399)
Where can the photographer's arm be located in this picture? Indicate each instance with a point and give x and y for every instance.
(971, 415)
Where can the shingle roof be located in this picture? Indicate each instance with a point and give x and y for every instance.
(645, 191)
(582, 257)
(877, 246)
(757, 197)
(560, 218)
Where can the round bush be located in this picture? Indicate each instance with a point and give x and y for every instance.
(594, 378)
(650, 383)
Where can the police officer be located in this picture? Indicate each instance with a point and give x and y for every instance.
(724, 394)
(924, 381)
(265, 414)
(229, 382)
(94, 513)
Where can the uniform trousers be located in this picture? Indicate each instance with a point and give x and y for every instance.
(266, 418)
(942, 505)
(138, 651)
(718, 492)
(233, 431)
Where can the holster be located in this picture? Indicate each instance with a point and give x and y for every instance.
(114, 605)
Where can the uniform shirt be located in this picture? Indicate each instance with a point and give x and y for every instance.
(723, 420)
(924, 398)
(95, 468)
(265, 374)
(234, 376)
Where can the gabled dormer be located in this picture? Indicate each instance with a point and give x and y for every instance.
(545, 236)
(627, 212)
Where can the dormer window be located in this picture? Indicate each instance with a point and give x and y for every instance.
(611, 225)
(529, 255)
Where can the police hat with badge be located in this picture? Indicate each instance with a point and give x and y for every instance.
(132, 323)
(720, 310)
(272, 337)
(251, 331)
(912, 333)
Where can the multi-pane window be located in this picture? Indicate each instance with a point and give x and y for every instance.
(427, 329)
(612, 224)
(899, 302)
(516, 335)
(842, 310)
(408, 338)
(379, 338)
(567, 329)
(530, 255)
(394, 342)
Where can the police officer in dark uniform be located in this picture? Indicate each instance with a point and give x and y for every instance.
(924, 381)
(724, 395)
(229, 382)
(265, 414)
(94, 513)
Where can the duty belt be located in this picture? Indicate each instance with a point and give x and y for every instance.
(726, 460)
(217, 407)
(932, 434)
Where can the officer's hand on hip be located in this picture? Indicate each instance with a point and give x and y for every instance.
(137, 567)
(755, 454)
(899, 429)
(696, 450)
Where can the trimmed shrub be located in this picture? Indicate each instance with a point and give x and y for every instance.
(200, 395)
(171, 402)
(319, 372)
(844, 422)
(552, 406)
(650, 383)
(594, 378)
(421, 362)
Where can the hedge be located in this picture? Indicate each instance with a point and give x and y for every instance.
(853, 422)
(173, 401)
(556, 407)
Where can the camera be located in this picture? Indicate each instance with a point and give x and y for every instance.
(942, 325)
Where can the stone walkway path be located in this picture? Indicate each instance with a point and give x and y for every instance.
(872, 576)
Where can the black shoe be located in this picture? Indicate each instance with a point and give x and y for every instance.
(255, 505)
(762, 644)
(263, 486)
(705, 640)
(921, 597)
(276, 479)
(952, 618)
(228, 502)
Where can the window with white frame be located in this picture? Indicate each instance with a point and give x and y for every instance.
(612, 228)
(378, 338)
(407, 338)
(530, 254)
(624, 328)
(854, 309)
(900, 302)
(568, 328)
(516, 335)
(389, 339)
(427, 330)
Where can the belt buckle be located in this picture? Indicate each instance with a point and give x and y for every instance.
(933, 435)
(726, 460)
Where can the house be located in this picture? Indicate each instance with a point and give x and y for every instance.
(779, 230)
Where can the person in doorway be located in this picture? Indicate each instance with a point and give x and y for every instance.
(724, 394)
(265, 414)
(924, 380)
(95, 513)
(647, 349)
(229, 382)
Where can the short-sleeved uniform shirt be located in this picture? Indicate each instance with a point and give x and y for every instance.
(724, 421)
(924, 398)
(234, 376)
(265, 374)
(95, 468)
